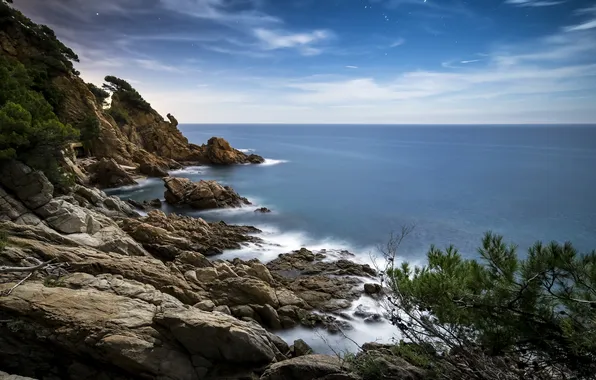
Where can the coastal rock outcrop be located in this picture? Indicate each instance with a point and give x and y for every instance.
(315, 367)
(127, 331)
(325, 285)
(107, 173)
(219, 152)
(202, 195)
(165, 235)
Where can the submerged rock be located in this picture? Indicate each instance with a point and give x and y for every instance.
(202, 195)
(263, 210)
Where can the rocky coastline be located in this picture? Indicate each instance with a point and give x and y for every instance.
(98, 288)
(118, 295)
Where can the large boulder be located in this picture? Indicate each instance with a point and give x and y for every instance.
(30, 186)
(315, 367)
(117, 329)
(153, 169)
(219, 152)
(106, 173)
(201, 195)
(157, 230)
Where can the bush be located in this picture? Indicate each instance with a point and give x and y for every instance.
(29, 129)
(501, 316)
(125, 93)
(120, 116)
(100, 95)
(89, 131)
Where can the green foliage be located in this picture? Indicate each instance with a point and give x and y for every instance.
(3, 240)
(539, 311)
(101, 95)
(29, 129)
(120, 116)
(125, 93)
(89, 131)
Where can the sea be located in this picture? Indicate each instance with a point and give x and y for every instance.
(348, 187)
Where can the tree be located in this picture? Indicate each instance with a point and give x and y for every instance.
(89, 131)
(125, 93)
(101, 95)
(500, 316)
(29, 129)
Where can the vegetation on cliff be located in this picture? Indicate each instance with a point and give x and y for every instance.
(501, 316)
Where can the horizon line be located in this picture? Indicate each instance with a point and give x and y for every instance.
(593, 124)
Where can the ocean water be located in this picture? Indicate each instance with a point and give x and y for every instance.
(348, 187)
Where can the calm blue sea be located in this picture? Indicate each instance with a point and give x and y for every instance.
(348, 187)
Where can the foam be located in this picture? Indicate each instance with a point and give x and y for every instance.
(271, 162)
(247, 151)
(189, 170)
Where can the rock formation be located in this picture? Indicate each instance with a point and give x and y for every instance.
(201, 195)
(219, 152)
(107, 173)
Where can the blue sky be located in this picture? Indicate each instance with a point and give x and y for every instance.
(340, 61)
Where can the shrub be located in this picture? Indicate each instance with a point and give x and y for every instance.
(500, 316)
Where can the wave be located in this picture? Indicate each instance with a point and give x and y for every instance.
(277, 242)
(247, 151)
(190, 170)
(271, 162)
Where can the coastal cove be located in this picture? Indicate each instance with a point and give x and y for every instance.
(382, 180)
(453, 183)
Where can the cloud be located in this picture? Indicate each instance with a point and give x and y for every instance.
(533, 3)
(586, 25)
(153, 65)
(230, 12)
(275, 39)
(351, 67)
(470, 61)
(397, 43)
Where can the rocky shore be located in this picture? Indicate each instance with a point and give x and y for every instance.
(120, 296)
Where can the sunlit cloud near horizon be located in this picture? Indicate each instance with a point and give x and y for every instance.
(351, 61)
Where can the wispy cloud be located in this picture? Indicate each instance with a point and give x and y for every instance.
(587, 24)
(533, 3)
(351, 67)
(275, 39)
(470, 61)
(223, 11)
(398, 42)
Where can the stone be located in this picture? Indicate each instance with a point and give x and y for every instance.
(206, 305)
(67, 218)
(106, 173)
(366, 313)
(219, 152)
(268, 316)
(223, 309)
(300, 348)
(202, 195)
(315, 367)
(370, 288)
(6, 376)
(30, 186)
(152, 169)
(236, 291)
(206, 275)
(263, 210)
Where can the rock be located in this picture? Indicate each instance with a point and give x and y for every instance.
(206, 275)
(30, 186)
(219, 152)
(6, 376)
(67, 218)
(268, 316)
(153, 169)
(243, 311)
(13, 210)
(202, 195)
(223, 309)
(300, 348)
(206, 305)
(156, 203)
(370, 288)
(123, 336)
(367, 314)
(263, 210)
(387, 364)
(236, 291)
(315, 367)
(107, 173)
(325, 285)
(157, 231)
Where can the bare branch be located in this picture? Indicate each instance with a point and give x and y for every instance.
(5, 269)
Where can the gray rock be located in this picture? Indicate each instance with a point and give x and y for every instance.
(315, 367)
(371, 288)
(30, 186)
(206, 305)
(301, 348)
(223, 309)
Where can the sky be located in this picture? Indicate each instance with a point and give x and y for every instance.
(340, 61)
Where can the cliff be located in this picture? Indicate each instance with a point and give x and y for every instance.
(141, 136)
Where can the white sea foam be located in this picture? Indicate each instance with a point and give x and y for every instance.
(271, 162)
(189, 170)
(276, 242)
(247, 151)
